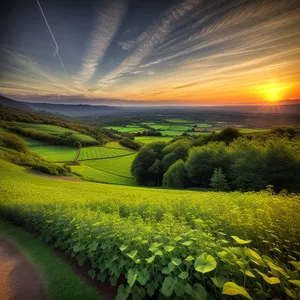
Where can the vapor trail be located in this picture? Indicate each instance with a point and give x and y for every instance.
(56, 50)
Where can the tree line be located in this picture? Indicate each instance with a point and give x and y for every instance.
(234, 163)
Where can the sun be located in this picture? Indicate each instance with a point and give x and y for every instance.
(273, 92)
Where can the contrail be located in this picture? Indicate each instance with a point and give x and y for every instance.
(56, 49)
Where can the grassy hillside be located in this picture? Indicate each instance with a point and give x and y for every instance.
(165, 242)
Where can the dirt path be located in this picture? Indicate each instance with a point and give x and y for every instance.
(18, 278)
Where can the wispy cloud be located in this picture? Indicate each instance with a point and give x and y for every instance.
(149, 39)
(108, 22)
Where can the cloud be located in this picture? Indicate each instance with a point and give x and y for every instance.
(108, 22)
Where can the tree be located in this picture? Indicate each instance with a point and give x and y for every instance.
(157, 170)
(219, 181)
(176, 176)
(228, 135)
(77, 144)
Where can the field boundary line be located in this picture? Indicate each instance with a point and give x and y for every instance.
(107, 157)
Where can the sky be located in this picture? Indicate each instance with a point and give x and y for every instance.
(181, 52)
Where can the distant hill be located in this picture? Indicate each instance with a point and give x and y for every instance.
(76, 110)
(14, 104)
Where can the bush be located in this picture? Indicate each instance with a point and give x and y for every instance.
(219, 181)
(12, 141)
(129, 143)
(77, 144)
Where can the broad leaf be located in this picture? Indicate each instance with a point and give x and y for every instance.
(168, 286)
(205, 263)
(132, 276)
(240, 241)
(183, 275)
(270, 280)
(232, 289)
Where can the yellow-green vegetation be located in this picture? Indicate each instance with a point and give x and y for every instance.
(151, 139)
(90, 173)
(101, 152)
(115, 144)
(59, 279)
(54, 131)
(55, 153)
(179, 244)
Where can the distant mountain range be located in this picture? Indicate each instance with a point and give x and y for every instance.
(85, 110)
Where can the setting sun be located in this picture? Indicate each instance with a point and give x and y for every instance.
(273, 92)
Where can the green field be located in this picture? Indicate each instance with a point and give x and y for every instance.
(160, 127)
(171, 243)
(115, 144)
(131, 129)
(179, 128)
(101, 152)
(202, 125)
(55, 153)
(151, 139)
(91, 174)
(118, 165)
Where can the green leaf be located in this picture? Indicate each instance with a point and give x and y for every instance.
(190, 258)
(218, 281)
(275, 268)
(187, 243)
(143, 276)
(179, 288)
(249, 274)
(296, 264)
(291, 293)
(123, 247)
(132, 254)
(240, 241)
(270, 280)
(232, 289)
(132, 276)
(295, 282)
(169, 248)
(183, 275)
(168, 286)
(176, 261)
(165, 270)
(255, 257)
(205, 263)
(200, 291)
(123, 292)
(150, 259)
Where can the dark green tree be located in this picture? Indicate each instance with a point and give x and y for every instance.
(219, 181)
(176, 176)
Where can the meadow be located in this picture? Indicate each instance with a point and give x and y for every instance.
(170, 243)
(101, 152)
(55, 153)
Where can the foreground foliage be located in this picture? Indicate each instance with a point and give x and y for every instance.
(176, 244)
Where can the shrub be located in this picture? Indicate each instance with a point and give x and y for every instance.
(12, 141)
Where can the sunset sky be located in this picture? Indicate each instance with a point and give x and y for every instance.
(193, 52)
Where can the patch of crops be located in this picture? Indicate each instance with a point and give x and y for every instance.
(151, 139)
(179, 121)
(175, 244)
(90, 173)
(160, 127)
(101, 152)
(118, 165)
(201, 125)
(115, 144)
(55, 153)
(171, 133)
(131, 129)
(179, 128)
